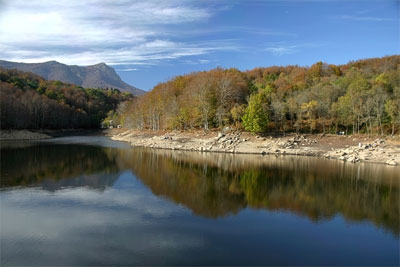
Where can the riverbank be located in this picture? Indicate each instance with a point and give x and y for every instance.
(22, 135)
(10, 135)
(352, 149)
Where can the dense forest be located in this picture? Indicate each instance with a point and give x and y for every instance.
(359, 97)
(28, 101)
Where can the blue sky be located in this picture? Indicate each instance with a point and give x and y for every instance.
(151, 41)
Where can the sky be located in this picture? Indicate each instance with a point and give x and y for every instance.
(148, 42)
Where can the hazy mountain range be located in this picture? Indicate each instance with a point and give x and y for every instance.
(95, 76)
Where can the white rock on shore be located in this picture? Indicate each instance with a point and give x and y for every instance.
(236, 142)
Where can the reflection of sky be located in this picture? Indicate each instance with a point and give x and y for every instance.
(127, 224)
(87, 140)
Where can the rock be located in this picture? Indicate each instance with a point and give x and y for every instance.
(227, 129)
(391, 162)
(353, 159)
(379, 141)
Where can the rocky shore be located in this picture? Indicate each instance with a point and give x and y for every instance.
(352, 149)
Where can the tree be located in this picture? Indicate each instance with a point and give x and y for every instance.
(237, 113)
(392, 108)
(205, 100)
(350, 95)
(309, 113)
(29, 101)
(256, 117)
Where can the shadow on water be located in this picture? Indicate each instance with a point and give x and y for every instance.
(216, 185)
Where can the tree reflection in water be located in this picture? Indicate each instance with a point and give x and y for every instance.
(217, 185)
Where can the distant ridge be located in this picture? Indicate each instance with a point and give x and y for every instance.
(94, 76)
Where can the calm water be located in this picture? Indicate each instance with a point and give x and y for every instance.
(90, 201)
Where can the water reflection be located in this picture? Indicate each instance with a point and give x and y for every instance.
(217, 185)
(57, 166)
(84, 201)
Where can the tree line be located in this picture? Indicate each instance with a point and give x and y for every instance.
(359, 97)
(28, 101)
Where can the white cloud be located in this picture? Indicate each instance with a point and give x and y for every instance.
(283, 48)
(129, 69)
(34, 220)
(364, 18)
(88, 32)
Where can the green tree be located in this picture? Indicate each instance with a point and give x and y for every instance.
(256, 117)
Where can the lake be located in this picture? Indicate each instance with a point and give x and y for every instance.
(91, 201)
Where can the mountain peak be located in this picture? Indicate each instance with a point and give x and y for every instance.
(51, 62)
(100, 64)
(95, 76)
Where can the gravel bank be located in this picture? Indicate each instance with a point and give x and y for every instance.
(352, 149)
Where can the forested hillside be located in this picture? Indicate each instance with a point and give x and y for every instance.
(27, 101)
(94, 76)
(359, 97)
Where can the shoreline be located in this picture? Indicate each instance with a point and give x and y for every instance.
(352, 149)
(30, 134)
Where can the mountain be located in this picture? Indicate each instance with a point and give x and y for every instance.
(95, 76)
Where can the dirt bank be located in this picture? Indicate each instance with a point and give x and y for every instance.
(352, 149)
(22, 135)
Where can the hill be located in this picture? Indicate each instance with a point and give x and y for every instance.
(359, 97)
(94, 76)
(27, 101)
